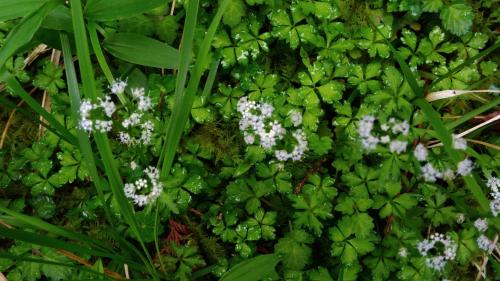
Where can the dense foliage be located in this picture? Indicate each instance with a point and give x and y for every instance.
(311, 148)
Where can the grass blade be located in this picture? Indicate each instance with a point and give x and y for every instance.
(11, 9)
(466, 63)
(16, 88)
(469, 115)
(102, 142)
(105, 10)
(42, 261)
(22, 33)
(184, 101)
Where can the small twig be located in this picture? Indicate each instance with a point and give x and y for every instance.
(125, 267)
(482, 268)
(485, 144)
(55, 57)
(2, 277)
(172, 9)
(196, 212)
(311, 171)
(491, 120)
(454, 93)
(9, 121)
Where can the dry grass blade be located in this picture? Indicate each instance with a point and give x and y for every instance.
(55, 58)
(475, 128)
(446, 94)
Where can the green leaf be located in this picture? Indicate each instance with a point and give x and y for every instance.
(23, 32)
(234, 12)
(11, 9)
(457, 18)
(50, 78)
(106, 10)
(252, 269)
(142, 50)
(293, 249)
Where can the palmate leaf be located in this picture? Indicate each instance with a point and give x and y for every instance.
(294, 250)
(345, 245)
(457, 18)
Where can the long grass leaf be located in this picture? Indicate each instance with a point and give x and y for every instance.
(105, 10)
(42, 261)
(469, 115)
(11, 9)
(184, 102)
(467, 62)
(33, 117)
(101, 140)
(18, 90)
(23, 32)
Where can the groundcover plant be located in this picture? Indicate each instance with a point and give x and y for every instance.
(245, 140)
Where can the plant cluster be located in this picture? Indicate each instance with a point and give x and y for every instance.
(249, 140)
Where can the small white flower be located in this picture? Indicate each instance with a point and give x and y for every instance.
(459, 142)
(385, 139)
(430, 173)
(144, 103)
(495, 206)
(494, 183)
(403, 252)
(365, 126)
(465, 167)
(133, 165)
(439, 260)
(118, 86)
(266, 109)
(484, 243)
(137, 92)
(460, 218)
(420, 152)
(370, 142)
(249, 138)
(108, 106)
(398, 146)
(296, 118)
(152, 183)
(448, 174)
(400, 127)
(481, 225)
(86, 125)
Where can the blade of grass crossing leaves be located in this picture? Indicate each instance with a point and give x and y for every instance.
(435, 120)
(43, 240)
(11, 9)
(83, 139)
(466, 63)
(96, 46)
(30, 115)
(42, 261)
(256, 268)
(102, 142)
(175, 128)
(18, 90)
(472, 113)
(183, 105)
(36, 223)
(22, 33)
(84, 142)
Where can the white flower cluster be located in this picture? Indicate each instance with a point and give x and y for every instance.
(484, 243)
(459, 143)
(481, 225)
(152, 183)
(370, 141)
(439, 260)
(431, 174)
(494, 183)
(257, 125)
(104, 107)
